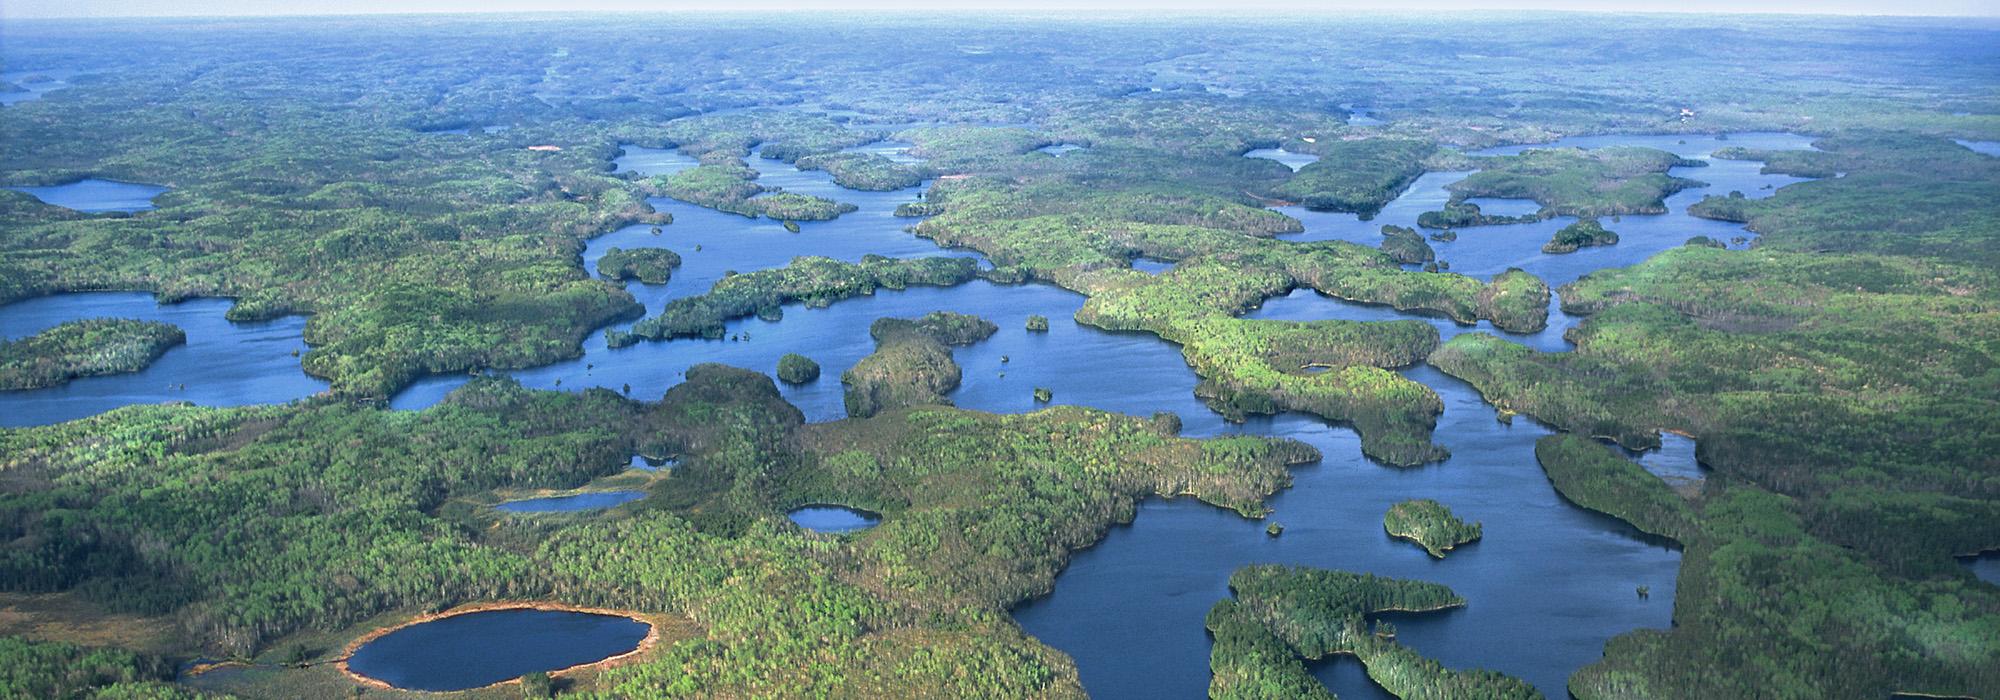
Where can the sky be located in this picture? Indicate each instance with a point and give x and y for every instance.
(25, 9)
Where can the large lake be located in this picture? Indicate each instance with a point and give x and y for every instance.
(1547, 586)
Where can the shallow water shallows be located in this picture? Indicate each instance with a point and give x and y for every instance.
(571, 503)
(833, 519)
(93, 196)
(478, 649)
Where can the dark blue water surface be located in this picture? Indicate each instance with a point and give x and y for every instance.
(222, 364)
(482, 648)
(1547, 586)
(93, 195)
(594, 500)
(833, 519)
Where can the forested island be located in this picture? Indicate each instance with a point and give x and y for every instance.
(530, 265)
(1429, 524)
(85, 348)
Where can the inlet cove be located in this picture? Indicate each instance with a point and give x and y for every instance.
(769, 356)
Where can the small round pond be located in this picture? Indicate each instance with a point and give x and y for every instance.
(479, 649)
(575, 502)
(834, 519)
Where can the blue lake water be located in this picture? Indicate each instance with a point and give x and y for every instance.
(1290, 159)
(1985, 566)
(833, 519)
(713, 243)
(33, 84)
(595, 500)
(482, 648)
(222, 364)
(1548, 586)
(651, 161)
(1991, 148)
(898, 151)
(648, 464)
(94, 196)
(1059, 149)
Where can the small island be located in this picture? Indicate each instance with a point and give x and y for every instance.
(1405, 245)
(1429, 524)
(648, 265)
(794, 368)
(732, 187)
(1459, 214)
(87, 348)
(912, 363)
(1582, 234)
(1038, 323)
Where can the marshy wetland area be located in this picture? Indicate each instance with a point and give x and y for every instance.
(741, 355)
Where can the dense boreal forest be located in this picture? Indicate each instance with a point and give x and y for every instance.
(1839, 373)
